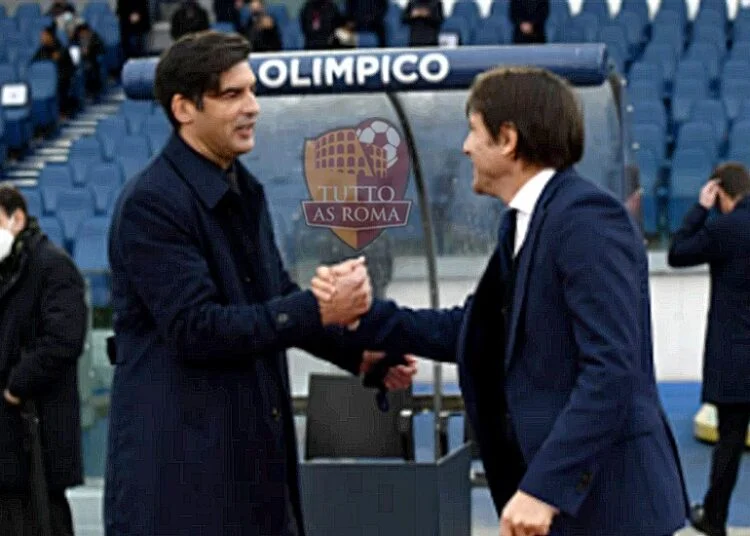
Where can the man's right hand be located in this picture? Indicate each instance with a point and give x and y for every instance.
(708, 195)
(343, 291)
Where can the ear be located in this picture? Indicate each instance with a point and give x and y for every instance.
(508, 139)
(183, 109)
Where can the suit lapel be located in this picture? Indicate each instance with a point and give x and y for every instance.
(525, 261)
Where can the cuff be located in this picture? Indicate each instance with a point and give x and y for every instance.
(296, 317)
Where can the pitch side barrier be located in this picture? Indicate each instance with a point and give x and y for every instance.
(318, 95)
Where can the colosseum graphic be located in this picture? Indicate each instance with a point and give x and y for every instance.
(357, 178)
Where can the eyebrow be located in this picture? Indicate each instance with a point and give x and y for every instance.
(229, 89)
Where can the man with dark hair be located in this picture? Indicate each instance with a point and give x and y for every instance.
(43, 317)
(724, 244)
(202, 437)
(189, 18)
(554, 346)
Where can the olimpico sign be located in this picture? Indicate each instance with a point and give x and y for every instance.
(352, 70)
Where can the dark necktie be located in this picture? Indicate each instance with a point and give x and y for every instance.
(506, 241)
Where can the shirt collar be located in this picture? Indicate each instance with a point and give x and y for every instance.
(527, 197)
(208, 180)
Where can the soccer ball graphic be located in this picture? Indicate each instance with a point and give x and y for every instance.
(381, 134)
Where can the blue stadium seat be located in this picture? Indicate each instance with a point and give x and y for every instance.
(705, 33)
(223, 27)
(733, 92)
(589, 26)
(42, 77)
(719, 7)
(73, 207)
(689, 68)
(690, 170)
(109, 131)
(467, 10)
(104, 180)
(131, 165)
(90, 255)
(665, 56)
(135, 146)
(711, 111)
(646, 70)
(292, 37)
(459, 26)
(53, 179)
(644, 89)
(31, 10)
(650, 111)
(135, 113)
(678, 7)
(19, 128)
(633, 26)
(739, 136)
(109, 30)
(95, 8)
(33, 202)
(743, 112)
(493, 31)
(741, 28)
(636, 7)
(699, 135)
(613, 35)
(52, 227)
(651, 137)
(501, 9)
(279, 13)
(687, 90)
(597, 8)
(367, 40)
(649, 167)
(8, 73)
(668, 34)
(740, 51)
(710, 55)
(3, 146)
(84, 151)
(734, 68)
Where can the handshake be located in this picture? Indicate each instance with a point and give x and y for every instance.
(344, 294)
(343, 291)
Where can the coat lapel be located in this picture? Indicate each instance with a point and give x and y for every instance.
(525, 261)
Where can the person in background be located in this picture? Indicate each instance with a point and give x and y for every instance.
(424, 18)
(50, 49)
(528, 18)
(43, 322)
(367, 16)
(261, 30)
(319, 20)
(190, 17)
(723, 243)
(92, 53)
(135, 24)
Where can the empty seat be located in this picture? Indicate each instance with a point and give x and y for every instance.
(54, 178)
(649, 112)
(109, 131)
(42, 77)
(33, 202)
(651, 137)
(90, 255)
(52, 227)
(134, 146)
(73, 207)
(698, 135)
(733, 92)
(711, 111)
(104, 181)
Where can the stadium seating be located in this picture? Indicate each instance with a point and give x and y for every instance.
(687, 80)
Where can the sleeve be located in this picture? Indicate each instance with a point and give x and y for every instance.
(57, 348)
(427, 333)
(697, 241)
(599, 265)
(165, 266)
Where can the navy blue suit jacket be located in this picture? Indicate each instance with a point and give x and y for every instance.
(576, 369)
(202, 436)
(724, 244)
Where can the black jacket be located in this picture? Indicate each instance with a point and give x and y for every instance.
(42, 328)
(191, 17)
(724, 244)
(424, 30)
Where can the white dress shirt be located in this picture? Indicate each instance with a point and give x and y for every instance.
(524, 202)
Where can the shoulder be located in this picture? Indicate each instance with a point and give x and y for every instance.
(54, 262)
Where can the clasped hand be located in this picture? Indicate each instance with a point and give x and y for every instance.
(344, 292)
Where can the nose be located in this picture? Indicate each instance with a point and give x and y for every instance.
(251, 105)
(465, 147)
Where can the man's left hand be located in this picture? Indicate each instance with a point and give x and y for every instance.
(525, 515)
(399, 377)
(10, 399)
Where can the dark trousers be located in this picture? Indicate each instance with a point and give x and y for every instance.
(733, 422)
(17, 519)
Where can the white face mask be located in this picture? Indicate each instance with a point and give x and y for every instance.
(6, 240)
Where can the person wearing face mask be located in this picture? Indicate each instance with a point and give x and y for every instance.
(723, 243)
(43, 316)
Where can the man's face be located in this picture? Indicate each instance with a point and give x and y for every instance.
(491, 158)
(46, 38)
(225, 127)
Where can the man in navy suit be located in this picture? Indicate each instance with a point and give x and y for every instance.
(724, 244)
(554, 346)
